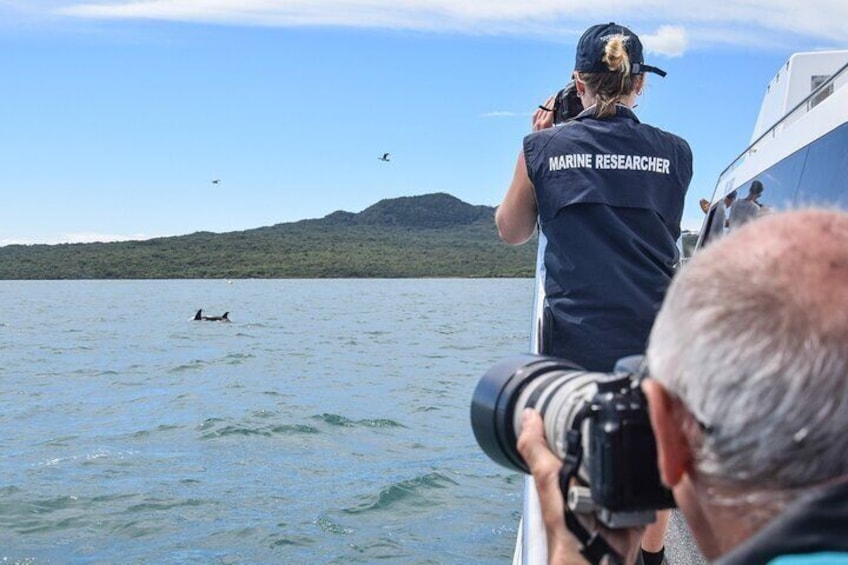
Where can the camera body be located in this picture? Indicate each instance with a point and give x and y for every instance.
(596, 422)
(623, 473)
(567, 104)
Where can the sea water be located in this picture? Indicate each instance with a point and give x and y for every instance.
(328, 423)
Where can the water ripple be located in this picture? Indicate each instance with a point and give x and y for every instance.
(139, 437)
(332, 527)
(343, 422)
(162, 504)
(195, 365)
(217, 428)
(408, 490)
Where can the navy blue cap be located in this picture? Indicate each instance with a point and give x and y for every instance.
(590, 50)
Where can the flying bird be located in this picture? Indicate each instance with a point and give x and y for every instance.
(385, 157)
(216, 181)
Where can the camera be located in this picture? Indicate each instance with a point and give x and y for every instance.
(567, 104)
(595, 422)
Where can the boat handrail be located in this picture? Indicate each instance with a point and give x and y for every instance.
(805, 105)
(531, 547)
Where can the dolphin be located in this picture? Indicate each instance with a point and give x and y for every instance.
(198, 317)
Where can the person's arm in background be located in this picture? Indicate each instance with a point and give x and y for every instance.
(516, 216)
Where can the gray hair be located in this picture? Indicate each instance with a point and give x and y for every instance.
(753, 338)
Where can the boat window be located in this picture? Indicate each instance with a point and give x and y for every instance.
(688, 241)
(826, 170)
(815, 82)
(771, 191)
(780, 181)
(716, 223)
(813, 176)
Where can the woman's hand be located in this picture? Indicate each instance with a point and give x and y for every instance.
(543, 117)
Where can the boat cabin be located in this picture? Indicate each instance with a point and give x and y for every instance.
(798, 154)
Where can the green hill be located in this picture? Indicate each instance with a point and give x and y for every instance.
(435, 235)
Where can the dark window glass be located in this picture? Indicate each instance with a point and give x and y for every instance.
(780, 182)
(815, 82)
(825, 178)
(816, 175)
(708, 225)
(714, 224)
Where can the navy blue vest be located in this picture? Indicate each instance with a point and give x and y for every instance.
(610, 196)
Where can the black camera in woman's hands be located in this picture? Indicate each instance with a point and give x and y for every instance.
(567, 104)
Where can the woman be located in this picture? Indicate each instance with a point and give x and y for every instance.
(607, 192)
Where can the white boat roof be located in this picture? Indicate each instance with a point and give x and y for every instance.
(806, 99)
(794, 81)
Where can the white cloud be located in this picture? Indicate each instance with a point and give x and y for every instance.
(668, 27)
(75, 237)
(93, 237)
(668, 40)
(506, 114)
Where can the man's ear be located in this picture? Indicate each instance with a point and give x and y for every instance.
(674, 453)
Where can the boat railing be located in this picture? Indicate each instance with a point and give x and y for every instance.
(825, 89)
(531, 547)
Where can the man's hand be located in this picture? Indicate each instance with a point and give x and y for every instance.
(563, 547)
(543, 118)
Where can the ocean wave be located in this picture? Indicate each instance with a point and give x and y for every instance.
(402, 492)
(344, 422)
(89, 458)
(209, 423)
(236, 430)
(335, 420)
(161, 428)
(154, 504)
(379, 423)
(238, 358)
(295, 429)
(217, 428)
(61, 441)
(332, 527)
(195, 365)
(295, 541)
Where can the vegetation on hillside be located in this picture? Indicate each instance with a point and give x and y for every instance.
(434, 235)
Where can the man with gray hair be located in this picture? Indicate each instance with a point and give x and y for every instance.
(748, 399)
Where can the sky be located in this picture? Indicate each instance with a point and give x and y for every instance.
(117, 115)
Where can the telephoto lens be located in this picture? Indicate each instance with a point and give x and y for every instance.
(554, 387)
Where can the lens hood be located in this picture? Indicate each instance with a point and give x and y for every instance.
(494, 402)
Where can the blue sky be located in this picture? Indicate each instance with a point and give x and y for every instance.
(117, 115)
